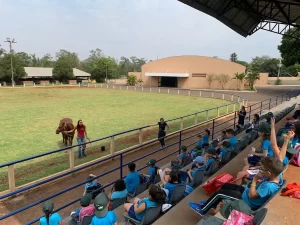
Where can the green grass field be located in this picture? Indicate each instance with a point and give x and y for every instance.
(30, 116)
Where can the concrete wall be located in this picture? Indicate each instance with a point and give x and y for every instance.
(72, 81)
(266, 80)
(198, 67)
(263, 79)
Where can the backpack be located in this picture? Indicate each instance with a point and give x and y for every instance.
(95, 190)
(144, 178)
(292, 190)
(186, 160)
(296, 157)
(216, 183)
(175, 165)
(188, 190)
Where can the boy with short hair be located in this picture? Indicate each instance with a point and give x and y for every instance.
(231, 138)
(184, 156)
(91, 183)
(153, 169)
(199, 166)
(225, 148)
(132, 180)
(102, 215)
(210, 157)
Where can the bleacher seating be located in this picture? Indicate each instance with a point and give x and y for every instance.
(154, 213)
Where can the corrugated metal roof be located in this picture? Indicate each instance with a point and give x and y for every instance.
(243, 16)
(47, 72)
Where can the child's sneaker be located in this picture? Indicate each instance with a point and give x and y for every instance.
(202, 202)
(197, 208)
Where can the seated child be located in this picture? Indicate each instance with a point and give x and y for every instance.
(196, 152)
(231, 138)
(224, 149)
(255, 196)
(238, 130)
(224, 136)
(169, 179)
(137, 209)
(199, 142)
(132, 179)
(199, 166)
(184, 157)
(119, 190)
(102, 215)
(153, 170)
(92, 186)
(50, 217)
(209, 158)
(87, 209)
(205, 138)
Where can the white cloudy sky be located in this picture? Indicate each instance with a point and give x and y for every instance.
(143, 28)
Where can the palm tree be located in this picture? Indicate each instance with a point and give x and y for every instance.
(251, 77)
(239, 79)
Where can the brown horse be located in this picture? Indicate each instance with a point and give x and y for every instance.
(66, 124)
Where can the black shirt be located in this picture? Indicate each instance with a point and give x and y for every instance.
(242, 116)
(162, 126)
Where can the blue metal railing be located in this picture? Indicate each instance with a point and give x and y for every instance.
(215, 123)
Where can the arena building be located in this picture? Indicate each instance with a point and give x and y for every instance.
(190, 72)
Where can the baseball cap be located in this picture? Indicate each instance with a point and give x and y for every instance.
(151, 162)
(211, 151)
(100, 204)
(264, 128)
(85, 200)
(238, 205)
(199, 159)
(48, 206)
(226, 144)
(291, 151)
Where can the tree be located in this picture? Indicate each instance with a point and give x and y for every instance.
(290, 48)
(62, 71)
(291, 70)
(104, 66)
(132, 64)
(25, 58)
(5, 67)
(233, 57)
(251, 77)
(239, 79)
(131, 80)
(223, 79)
(70, 57)
(210, 78)
(265, 64)
(46, 61)
(88, 64)
(35, 61)
(244, 63)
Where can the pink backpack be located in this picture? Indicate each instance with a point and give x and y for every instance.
(296, 157)
(238, 218)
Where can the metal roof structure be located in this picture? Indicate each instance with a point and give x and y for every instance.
(248, 16)
(47, 72)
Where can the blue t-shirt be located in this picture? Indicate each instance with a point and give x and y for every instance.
(182, 156)
(295, 141)
(170, 188)
(209, 162)
(109, 219)
(78, 211)
(223, 152)
(205, 139)
(132, 181)
(202, 168)
(54, 219)
(119, 194)
(151, 171)
(94, 183)
(265, 189)
(266, 145)
(233, 141)
(149, 203)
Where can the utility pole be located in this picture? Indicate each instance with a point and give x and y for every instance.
(106, 72)
(279, 68)
(11, 41)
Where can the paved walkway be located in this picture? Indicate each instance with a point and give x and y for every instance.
(28, 198)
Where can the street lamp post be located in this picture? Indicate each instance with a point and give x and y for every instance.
(11, 41)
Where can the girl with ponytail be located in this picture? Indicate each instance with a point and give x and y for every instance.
(50, 218)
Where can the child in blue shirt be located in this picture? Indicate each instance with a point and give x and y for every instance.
(91, 184)
(132, 179)
(230, 138)
(209, 158)
(224, 150)
(255, 196)
(196, 152)
(50, 218)
(199, 166)
(153, 170)
(224, 136)
(119, 190)
(138, 208)
(102, 215)
(184, 157)
(205, 138)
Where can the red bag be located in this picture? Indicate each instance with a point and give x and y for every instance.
(292, 190)
(216, 183)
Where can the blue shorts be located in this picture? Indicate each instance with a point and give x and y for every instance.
(131, 212)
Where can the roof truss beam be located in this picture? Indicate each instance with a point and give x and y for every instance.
(277, 28)
(267, 9)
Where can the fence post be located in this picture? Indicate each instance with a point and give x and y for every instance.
(213, 129)
(243, 102)
(223, 96)
(101, 85)
(189, 92)
(260, 107)
(233, 109)
(212, 94)
(159, 90)
(178, 91)
(227, 109)
(95, 85)
(141, 136)
(206, 115)
(168, 91)
(232, 98)
(270, 103)
(142, 88)
(196, 118)
(112, 145)
(200, 93)
(121, 166)
(24, 84)
(71, 158)
(218, 111)
(234, 120)
(11, 178)
(135, 88)
(181, 123)
(127, 87)
(238, 99)
(33, 84)
(179, 142)
(246, 103)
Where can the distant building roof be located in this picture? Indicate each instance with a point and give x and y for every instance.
(47, 72)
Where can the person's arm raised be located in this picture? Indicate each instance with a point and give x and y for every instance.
(273, 140)
(284, 148)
